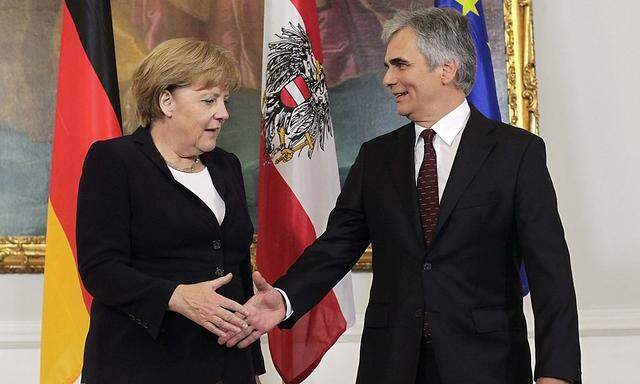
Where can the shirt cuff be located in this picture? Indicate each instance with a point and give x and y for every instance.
(286, 302)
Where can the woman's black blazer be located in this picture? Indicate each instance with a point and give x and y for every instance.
(140, 233)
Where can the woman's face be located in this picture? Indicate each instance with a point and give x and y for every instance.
(197, 115)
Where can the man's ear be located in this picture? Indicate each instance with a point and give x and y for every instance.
(167, 103)
(449, 70)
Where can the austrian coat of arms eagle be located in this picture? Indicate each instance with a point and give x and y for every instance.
(296, 103)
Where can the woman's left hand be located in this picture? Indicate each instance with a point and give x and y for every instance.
(202, 304)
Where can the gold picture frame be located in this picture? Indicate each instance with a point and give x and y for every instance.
(25, 254)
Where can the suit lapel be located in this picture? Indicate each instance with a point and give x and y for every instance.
(401, 163)
(475, 144)
(142, 136)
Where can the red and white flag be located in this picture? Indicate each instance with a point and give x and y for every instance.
(298, 178)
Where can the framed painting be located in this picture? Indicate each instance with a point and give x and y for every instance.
(353, 53)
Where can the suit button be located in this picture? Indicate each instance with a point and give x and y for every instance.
(219, 272)
(217, 244)
(426, 266)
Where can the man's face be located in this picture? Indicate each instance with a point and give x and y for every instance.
(408, 77)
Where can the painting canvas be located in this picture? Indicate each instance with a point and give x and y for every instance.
(353, 61)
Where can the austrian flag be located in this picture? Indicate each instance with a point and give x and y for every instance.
(298, 178)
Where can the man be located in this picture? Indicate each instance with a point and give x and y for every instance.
(451, 204)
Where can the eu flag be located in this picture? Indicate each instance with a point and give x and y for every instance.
(483, 94)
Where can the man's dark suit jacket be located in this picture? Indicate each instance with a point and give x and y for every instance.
(140, 233)
(498, 208)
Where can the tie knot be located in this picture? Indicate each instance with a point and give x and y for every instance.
(427, 135)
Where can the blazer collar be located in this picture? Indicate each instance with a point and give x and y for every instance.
(476, 143)
(142, 136)
(211, 160)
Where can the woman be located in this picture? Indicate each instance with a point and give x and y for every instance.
(163, 231)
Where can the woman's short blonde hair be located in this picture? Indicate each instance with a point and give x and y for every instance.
(180, 63)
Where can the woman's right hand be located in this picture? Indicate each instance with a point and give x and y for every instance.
(202, 304)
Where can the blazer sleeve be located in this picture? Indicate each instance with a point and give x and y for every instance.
(541, 243)
(246, 271)
(104, 243)
(334, 253)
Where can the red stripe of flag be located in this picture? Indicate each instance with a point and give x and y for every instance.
(309, 13)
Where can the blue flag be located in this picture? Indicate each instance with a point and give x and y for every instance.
(483, 95)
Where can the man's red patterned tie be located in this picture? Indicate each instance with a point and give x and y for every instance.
(427, 186)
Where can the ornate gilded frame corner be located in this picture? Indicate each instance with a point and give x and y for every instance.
(25, 254)
(22, 254)
(522, 83)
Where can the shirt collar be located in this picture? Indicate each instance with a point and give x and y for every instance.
(448, 127)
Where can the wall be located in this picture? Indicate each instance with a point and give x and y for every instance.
(586, 56)
(20, 308)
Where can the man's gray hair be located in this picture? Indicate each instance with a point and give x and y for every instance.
(443, 35)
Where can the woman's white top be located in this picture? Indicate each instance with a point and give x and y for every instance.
(201, 184)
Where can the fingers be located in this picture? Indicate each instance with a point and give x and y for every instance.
(235, 339)
(231, 305)
(231, 321)
(223, 327)
(219, 282)
(259, 281)
(242, 339)
(228, 323)
(209, 326)
(224, 339)
(255, 335)
(229, 335)
(225, 302)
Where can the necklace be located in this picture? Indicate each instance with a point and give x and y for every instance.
(189, 169)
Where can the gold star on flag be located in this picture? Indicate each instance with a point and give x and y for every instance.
(468, 6)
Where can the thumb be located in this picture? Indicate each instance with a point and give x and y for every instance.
(260, 282)
(219, 282)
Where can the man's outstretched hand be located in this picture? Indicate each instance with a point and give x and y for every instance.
(266, 309)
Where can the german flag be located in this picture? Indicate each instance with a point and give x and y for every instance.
(87, 110)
